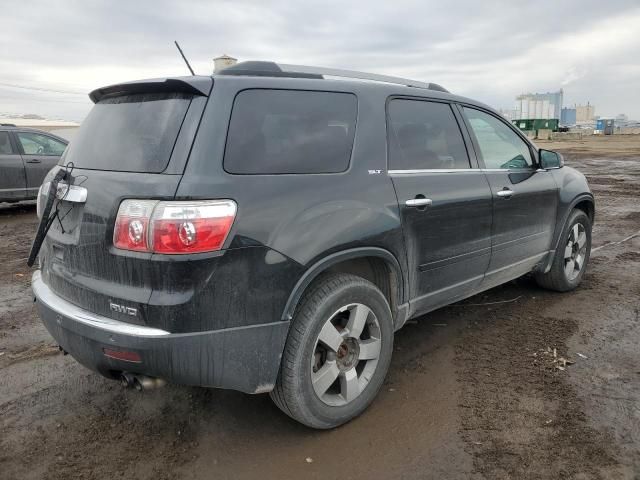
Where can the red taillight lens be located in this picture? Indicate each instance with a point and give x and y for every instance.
(186, 236)
(132, 225)
(173, 227)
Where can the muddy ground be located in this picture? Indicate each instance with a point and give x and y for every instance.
(474, 390)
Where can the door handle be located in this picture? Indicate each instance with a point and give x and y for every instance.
(419, 202)
(506, 193)
(34, 160)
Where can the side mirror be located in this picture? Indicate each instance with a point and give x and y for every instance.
(549, 159)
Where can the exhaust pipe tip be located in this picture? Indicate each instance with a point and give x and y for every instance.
(137, 385)
(127, 380)
(142, 382)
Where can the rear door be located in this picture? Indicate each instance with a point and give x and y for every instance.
(525, 198)
(131, 145)
(12, 176)
(445, 202)
(40, 154)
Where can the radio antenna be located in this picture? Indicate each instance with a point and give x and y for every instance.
(184, 58)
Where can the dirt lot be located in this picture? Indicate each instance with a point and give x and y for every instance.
(473, 390)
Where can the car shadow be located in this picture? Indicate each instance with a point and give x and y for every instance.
(19, 208)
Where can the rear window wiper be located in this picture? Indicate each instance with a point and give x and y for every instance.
(47, 219)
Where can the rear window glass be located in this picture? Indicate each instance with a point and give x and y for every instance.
(290, 131)
(131, 133)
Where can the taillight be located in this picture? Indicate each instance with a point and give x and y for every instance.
(181, 227)
(131, 231)
(173, 227)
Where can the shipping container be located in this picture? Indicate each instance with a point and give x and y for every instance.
(537, 124)
(604, 126)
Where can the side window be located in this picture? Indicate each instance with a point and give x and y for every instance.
(499, 145)
(290, 131)
(5, 144)
(424, 135)
(36, 144)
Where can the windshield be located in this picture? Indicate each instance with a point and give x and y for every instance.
(131, 133)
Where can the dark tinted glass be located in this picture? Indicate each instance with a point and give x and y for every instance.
(424, 135)
(289, 131)
(5, 144)
(132, 133)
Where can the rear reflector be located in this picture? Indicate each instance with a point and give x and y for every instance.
(173, 227)
(124, 355)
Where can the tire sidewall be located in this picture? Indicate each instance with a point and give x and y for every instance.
(355, 292)
(578, 216)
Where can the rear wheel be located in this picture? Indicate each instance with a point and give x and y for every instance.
(571, 256)
(337, 353)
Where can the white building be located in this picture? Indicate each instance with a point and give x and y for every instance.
(539, 105)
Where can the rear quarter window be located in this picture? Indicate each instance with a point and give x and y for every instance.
(290, 131)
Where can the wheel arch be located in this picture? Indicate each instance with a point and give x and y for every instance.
(584, 202)
(587, 205)
(375, 264)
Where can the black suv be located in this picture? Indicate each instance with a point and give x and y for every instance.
(268, 229)
(26, 156)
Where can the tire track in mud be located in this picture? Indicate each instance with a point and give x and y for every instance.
(102, 432)
(520, 417)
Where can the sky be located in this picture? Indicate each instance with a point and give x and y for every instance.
(53, 53)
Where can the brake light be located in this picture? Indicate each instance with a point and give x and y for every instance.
(173, 227)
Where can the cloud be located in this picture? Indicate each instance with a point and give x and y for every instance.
(490, 50)
(573, 74)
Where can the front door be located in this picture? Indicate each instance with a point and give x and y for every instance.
(445, 204)
(525, 198)
(12, 176)
(40, 154)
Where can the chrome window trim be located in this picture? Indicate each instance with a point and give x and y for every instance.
(453, 170)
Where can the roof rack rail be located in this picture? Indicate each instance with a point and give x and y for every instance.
(272, 69)
(374, 77)
(7, 124)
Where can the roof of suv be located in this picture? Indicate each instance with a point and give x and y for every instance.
(271, 69)
(201, 84)
(393, 85)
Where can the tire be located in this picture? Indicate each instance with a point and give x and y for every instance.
(352, 315)
(562, 277)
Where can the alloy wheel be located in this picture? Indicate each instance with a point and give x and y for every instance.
(346, 354)
(575, 252)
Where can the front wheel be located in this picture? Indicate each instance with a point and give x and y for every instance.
(571, 256)
(337, 353)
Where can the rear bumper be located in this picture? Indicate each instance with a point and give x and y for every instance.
(243, 358)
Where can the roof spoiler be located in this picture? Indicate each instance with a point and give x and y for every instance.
(197, 85)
